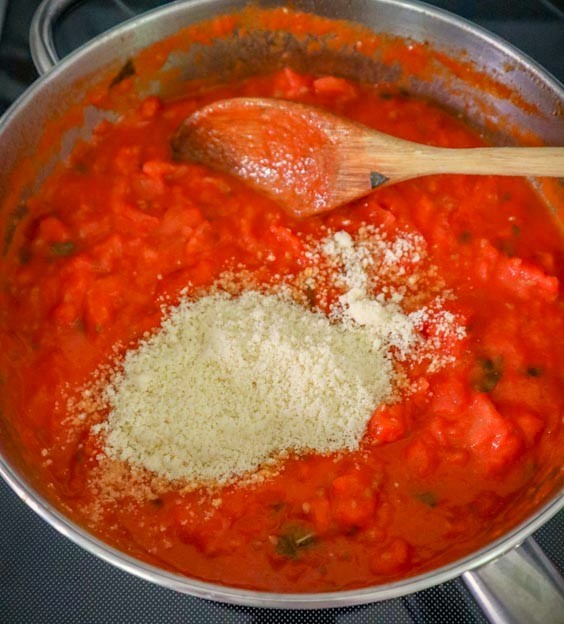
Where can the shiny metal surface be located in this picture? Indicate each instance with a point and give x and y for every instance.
(522, 587)
(22, 125)
(41, 41)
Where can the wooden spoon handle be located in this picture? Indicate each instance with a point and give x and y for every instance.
(518, 161)
(538, 161)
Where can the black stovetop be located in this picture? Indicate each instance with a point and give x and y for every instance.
(44, 578)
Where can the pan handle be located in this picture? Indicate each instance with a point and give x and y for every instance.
(520, 587)
(41, 40)
(41, 33)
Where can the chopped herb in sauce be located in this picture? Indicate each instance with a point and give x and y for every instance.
(25, 255)
(126, 71)
(81, 167)
(427, 498)
(66, 248)
(13, 220)
(488, 375)
(465, 237)
(291, 543)
(506, 246)
(534, 371)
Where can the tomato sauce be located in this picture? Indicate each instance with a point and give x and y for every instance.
(465, 457)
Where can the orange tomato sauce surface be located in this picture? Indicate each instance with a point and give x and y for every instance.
(438, 475)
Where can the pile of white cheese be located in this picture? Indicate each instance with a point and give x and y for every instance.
(229, 384)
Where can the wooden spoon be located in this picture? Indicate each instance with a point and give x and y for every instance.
(311, 161)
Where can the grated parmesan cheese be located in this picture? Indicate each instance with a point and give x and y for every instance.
(389, 325)
(230, 381)
(234, 381)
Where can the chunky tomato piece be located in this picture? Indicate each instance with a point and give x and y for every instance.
(338, 88)
(451, 396)
(353, 499)
(421, 457)
(319, 510)
(289, 84)
(494, 438)
(392, 559)
(387, 423)
(515, 276)
(530, 425)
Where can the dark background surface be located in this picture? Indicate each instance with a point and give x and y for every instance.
(534, 26)
(44, 578)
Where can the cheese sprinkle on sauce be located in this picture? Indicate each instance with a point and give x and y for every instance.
(230, 384)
